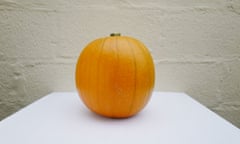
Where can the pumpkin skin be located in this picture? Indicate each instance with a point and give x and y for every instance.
(115, 76)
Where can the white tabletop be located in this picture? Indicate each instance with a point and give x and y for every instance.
(169, 118)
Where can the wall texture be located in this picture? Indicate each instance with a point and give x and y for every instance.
(195, 45)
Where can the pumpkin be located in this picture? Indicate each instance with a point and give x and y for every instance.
(115, 76)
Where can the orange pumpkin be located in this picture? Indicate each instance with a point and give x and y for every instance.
(115, 76)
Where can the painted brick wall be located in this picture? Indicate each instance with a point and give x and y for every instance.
(195, 45)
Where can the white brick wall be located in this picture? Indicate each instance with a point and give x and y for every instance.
(195, 45)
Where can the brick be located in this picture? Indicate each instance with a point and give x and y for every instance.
(198, 80)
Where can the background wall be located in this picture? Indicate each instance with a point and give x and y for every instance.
(195, 45)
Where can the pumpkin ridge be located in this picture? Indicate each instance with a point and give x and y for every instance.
(144, 50)
(81, 65)
(135, 74)
(117, 69)
(97, 70)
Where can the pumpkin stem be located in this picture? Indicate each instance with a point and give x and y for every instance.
(115, 34)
